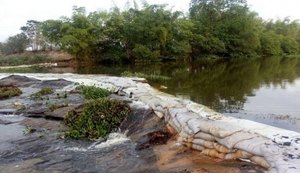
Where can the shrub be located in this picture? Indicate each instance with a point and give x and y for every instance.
(97, 118)
(23, 59)
(9, 91)
(93, 92)
(44, 91)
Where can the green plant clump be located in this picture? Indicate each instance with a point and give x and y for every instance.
(9, 91)
(153, 77)
(44, 91)
(98, 118)
(93, 92)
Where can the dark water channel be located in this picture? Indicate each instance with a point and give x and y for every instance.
(265, 90)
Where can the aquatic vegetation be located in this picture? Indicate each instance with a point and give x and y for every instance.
(96, 119)
(152, 77)
(44, 91)
(93, 92)
(9, 91)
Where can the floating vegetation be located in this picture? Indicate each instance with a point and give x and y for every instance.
(96, 119)
(152, 77)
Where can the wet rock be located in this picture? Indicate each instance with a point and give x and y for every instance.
(60, 113)
(16, 80)
(4, 122)
(43, 124)
(55, 84)
(7, 111)
(120, 98)
(21, 167)
(36, 112)
(158, 137)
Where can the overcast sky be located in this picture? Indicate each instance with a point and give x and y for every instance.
(15, 13)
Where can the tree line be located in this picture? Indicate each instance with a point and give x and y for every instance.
(217, 28)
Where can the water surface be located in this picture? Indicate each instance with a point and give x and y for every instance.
(266, 90)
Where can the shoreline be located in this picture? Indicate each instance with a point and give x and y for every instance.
(201, 128)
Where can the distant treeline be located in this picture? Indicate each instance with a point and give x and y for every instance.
(218, 28)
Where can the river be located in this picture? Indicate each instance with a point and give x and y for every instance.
(266, 90)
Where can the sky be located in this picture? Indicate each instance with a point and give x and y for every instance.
(15, 13)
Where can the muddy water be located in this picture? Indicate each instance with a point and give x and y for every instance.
(266, 90)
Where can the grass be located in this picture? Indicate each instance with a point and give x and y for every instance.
(93, 92)
(53, 106)
(23, 59)
(152, 77)
(9, 91)
(98, 118)
(44, 91)
(33, 69)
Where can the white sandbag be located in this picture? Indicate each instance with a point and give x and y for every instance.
(204, 136)
(232, 140)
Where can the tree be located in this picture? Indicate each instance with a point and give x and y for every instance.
(224, 27)
(14, 44)
(33, 31)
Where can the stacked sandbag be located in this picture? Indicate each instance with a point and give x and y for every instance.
(203, 129)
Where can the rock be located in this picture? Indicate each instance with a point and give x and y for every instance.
(55, 84)
(16, 80)
(120, 98)
(36, 112)
(60, 113)
(42, 123)
(4, 122)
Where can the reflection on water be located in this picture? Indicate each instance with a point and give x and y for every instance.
(259, 89)
(264, 90)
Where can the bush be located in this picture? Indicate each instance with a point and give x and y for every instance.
(44, 91)
(23, 59)
(9, 91)
(93, 92)
(98, 118)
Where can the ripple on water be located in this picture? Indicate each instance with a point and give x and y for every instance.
(11, 130)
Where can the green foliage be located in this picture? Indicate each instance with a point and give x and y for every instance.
(9, 91)
(14, 44)
(152, 77)
(44, 91)
(270, 43)
(142, 52)
(33, 31)
(98, 118)
(155, 33)
(93, 92)
(33, 69)
(53, 107)
(23, 59)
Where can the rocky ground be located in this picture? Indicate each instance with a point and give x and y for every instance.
(32, 139)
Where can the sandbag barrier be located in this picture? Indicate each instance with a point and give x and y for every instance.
(203, 129)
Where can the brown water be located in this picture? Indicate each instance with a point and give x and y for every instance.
(265, 90)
